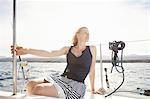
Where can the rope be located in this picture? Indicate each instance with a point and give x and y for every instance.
(140, 40)
(114, 46)
(25, 73)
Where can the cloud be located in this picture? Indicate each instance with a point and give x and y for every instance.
(50, 24)
(5, 8)
(144, 4)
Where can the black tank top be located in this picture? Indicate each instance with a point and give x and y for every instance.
(78, 67)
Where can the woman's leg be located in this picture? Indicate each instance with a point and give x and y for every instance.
(31, 84)
(45, 89)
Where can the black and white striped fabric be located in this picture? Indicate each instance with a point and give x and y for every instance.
(72, 89)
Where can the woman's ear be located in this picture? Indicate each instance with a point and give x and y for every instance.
(87, 38)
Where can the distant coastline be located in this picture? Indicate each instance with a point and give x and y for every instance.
(106, 59)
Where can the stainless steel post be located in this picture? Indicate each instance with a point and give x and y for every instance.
(14, 53)
(101, 66)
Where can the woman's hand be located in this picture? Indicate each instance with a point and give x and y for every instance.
(19, 50)
(101, 91)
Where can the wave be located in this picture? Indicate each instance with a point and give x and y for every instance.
(5, 78)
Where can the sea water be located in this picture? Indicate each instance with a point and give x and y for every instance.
(137, 75)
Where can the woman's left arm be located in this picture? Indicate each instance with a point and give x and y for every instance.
(92, 68)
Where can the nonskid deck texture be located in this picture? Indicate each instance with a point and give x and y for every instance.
(88, 95)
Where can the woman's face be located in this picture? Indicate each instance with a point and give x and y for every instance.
(83, 34)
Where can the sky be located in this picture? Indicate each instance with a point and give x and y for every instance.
(51, 24)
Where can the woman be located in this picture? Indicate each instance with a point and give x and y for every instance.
(81, 61)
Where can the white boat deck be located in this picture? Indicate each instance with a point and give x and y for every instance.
(88, 95)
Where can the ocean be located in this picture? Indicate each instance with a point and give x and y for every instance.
(137, 75)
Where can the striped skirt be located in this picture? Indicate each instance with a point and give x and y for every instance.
(71, 88)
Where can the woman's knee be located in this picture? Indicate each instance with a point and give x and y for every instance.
(37, 89)
(34, 82)
(31, 83)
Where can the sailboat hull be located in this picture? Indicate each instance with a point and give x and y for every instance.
(88, 95)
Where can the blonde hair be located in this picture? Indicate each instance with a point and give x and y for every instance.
(75, 40)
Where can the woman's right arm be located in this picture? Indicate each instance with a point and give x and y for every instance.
(41, 53)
